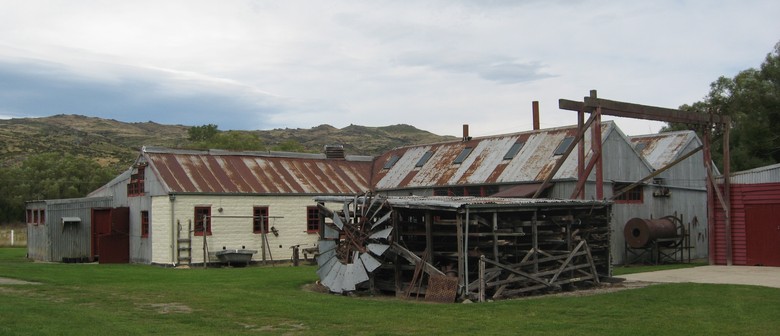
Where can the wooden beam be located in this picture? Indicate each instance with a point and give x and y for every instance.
(630, 110)
(637, 111)
(657, 172)
(580, 137)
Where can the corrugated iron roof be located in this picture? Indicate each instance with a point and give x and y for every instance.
(485, 164)
(662, 148)
(187, 171)
(456, 202)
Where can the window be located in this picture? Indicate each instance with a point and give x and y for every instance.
(640, 146)
(463, 155)
(634, 195)
(42, 217)
(312, 219)
(563, 146)
(424, 159)
(136, 185)
(516, 147)
(391, 162)
(202, 220)
(144, 224)
(30, 216)
(260, 219)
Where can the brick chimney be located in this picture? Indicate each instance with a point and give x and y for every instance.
(466, 136)
(535, 108)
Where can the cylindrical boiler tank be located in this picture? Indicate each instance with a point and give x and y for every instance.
(639, 232)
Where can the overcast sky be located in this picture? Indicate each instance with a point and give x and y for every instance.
(433, 64)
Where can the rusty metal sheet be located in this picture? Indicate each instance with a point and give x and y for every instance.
(260, 173)
(663, 148)
(441, 288)
(485, 164)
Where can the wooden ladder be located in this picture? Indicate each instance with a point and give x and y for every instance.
(184, 249)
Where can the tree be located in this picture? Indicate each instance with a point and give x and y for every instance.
(48, 176)
(290, 146)
(209, 137)
(752, 100)
(202, 133)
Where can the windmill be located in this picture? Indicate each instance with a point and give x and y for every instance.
(352, 245)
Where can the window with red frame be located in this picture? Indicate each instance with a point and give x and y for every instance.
(260, 219)
(144, 224)
(202, 220)
(136, 185)
(312, 219)
(632, 196)
(30, 216)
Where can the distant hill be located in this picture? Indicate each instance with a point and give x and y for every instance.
(116, 144)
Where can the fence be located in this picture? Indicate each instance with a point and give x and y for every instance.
(15, 236)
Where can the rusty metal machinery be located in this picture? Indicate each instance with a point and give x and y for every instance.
(656, 240)
(640, 232)
(351, 242)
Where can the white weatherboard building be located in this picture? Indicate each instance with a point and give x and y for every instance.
(259, 201)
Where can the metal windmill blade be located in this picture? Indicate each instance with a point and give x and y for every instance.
(353, 244)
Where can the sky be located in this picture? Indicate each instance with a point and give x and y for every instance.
(436, 65)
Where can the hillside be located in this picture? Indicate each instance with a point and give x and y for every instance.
(115, 143)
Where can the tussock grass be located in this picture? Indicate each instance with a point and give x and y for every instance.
(87, 299)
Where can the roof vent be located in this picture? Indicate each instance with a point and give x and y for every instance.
(334, 152)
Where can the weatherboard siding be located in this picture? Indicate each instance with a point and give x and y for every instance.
(230, 232)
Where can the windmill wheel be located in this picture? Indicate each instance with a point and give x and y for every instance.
(350, 245)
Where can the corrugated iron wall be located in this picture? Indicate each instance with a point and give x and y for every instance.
(54, 241)
(37, 236)
(742, 196)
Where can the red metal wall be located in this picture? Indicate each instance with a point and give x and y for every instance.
(751, 205)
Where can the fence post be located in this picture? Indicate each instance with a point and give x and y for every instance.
(12, 237)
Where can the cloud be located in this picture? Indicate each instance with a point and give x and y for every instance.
(41, 89)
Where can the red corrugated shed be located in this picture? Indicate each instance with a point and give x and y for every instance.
(755, 225)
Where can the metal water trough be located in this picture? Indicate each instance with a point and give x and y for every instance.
(235, 257)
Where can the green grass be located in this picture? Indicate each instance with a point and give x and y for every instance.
(88, 299)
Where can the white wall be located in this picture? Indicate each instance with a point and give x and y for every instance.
(230, 232)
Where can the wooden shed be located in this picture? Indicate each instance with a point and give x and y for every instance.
(755, 227)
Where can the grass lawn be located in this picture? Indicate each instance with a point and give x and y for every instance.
(92, 299)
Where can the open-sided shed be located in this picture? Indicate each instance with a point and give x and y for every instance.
(471, 247)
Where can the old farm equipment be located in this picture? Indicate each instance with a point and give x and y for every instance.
(661, 240)
(443, 248)
(357, 234)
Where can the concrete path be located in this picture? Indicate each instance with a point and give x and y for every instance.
(737, 275)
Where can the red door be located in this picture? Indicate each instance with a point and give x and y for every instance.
(110, 235)
(762, 228)
(101, 226)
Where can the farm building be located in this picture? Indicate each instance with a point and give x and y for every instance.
(184, 203)
(755, 228)
(63, 230)
(515, 165)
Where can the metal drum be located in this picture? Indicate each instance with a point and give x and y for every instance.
(640, 232)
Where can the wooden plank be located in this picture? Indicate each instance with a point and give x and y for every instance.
(414, 259)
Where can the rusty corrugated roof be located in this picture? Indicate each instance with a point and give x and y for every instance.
(662, 148)
(184, 171)
(485, 164)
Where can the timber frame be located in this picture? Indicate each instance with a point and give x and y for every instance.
(478, 247)
(597, 107)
